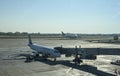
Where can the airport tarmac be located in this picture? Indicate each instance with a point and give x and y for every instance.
(13, 54)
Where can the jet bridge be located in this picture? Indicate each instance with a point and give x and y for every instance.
(88, 53)
(94, 51)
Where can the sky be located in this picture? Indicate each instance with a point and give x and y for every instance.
(54, 16)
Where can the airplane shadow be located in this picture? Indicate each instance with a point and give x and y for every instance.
(18, 57)
(87, 68)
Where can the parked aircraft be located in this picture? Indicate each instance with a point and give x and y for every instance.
(44, 51)
(69, 35)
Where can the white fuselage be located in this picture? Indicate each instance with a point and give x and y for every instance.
(53, 53)
(71, 35)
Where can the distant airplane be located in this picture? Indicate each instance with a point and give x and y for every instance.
(44, 51)
(69, 35)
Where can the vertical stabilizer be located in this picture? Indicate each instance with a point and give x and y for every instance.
(30, 41)
(63, 33)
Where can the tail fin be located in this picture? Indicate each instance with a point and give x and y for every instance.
(63, 33)
(30, 41)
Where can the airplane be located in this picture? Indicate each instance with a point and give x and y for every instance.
(44, 51)
(69, 35)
